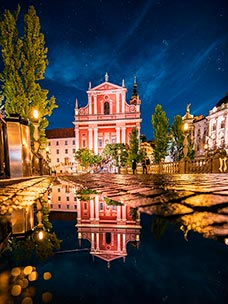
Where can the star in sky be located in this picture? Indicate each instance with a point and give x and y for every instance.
(177, 49)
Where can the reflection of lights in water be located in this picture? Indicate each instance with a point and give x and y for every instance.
(14, 285)
(226, 241)
(40, 235)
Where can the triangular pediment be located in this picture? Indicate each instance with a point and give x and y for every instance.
(106, 86)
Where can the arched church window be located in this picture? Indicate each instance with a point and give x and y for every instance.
(106, 108)
(108, 237)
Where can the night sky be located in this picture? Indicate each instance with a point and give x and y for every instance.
(177, 49)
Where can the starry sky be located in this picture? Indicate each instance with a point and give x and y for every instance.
(177, 49)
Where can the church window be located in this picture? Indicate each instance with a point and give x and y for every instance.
(100, 142)
(101, 206)
(214, 127)
(222, 124)
(106, 108)
(108, 237)
(83, 143)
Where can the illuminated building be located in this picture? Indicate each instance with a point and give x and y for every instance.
(61, 149)
(218, 125)
(108, 228)
(107, 118)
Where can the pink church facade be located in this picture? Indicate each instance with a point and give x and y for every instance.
(107, 118)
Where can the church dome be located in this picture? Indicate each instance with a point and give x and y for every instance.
(224, 100)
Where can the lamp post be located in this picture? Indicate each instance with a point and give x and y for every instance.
(185, 149)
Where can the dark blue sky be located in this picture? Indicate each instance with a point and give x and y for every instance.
(177, 49)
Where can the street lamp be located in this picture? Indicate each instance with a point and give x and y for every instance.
(185, 149)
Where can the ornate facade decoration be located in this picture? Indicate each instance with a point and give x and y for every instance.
(107, 118)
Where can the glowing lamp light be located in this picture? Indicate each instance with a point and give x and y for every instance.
(40, 235)
(186, 126)
(226, 241)
(36, 114)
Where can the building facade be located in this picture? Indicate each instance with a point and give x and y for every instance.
(107, 118)
(61, 149)
(218, 125)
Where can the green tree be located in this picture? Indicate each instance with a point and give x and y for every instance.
(25, 62)
(177, 138)
(160, 125)
(87, 157)
(133, 151)
(117, 151)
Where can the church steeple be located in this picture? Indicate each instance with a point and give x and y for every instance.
(135, 96)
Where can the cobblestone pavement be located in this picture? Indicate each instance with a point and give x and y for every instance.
(16, 192)
(197, 202)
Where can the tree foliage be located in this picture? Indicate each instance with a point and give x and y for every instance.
(133, 151)
(117, 151)
(25, 62)
(160, 125)
(87, 157)
(177, 138)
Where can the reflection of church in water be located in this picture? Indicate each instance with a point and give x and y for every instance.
(108, 228)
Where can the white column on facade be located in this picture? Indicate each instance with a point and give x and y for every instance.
(90, 104)
(97, 208)
(124, 135)
(226, 130)
(119, 213)
(77, 139)
(217, 132)
(91, 210)
(118, 242)
(209, 141)
(90, 138)
(97, 241)
(79, 216)
(123, 103)
(95, 104)
(92, 240)
(117, 103)
(123, 242)
(95, 144)
(118, 134)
